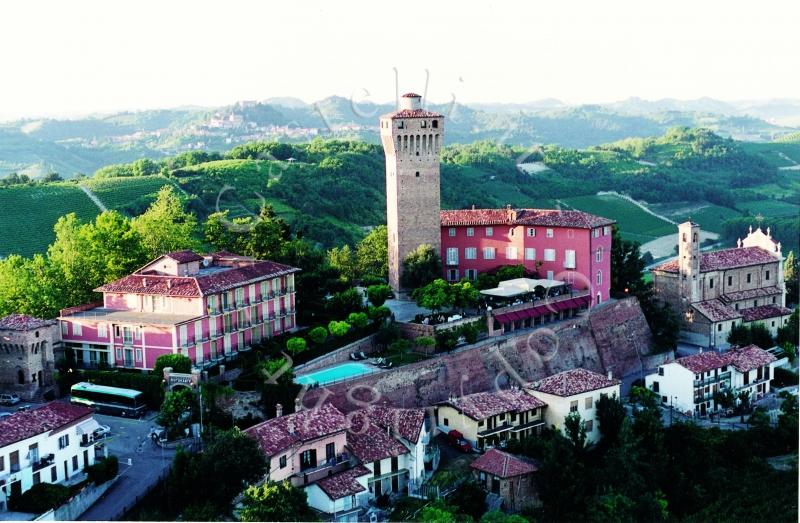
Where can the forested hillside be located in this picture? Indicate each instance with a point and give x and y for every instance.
(332, 191)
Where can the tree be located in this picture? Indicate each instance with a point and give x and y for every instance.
(378, 294)
(379, 313)
(338, 328)
(275, 502)
(469, 499)
(440, 512)
(266, 236)
(464, 294)
(166, 226)
(372, 253)
(435, 296)
(344, 260)
(358, 320)
(233, 459)
(788, 334)
(346, 302)
(575, 431)
(178, 362)
(425, 341)
(318, 335)
(296, 345)
(610, 415)
(175, 412)
(627, 265)
(420, 267)
(790, 275)
(497, 516)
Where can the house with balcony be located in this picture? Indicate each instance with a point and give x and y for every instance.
(387, 459)
(412, 428)
(486, 419)
(341, 496)
(304, 446)
(574, 391)
(49, 444)
(208, 308)
(690, 383)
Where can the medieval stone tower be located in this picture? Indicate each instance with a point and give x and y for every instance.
(412, 139)
(689, 263)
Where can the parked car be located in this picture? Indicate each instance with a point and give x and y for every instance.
(5, 415)
(23, 408)
(9, 399)
(102, 431)
(456, 440)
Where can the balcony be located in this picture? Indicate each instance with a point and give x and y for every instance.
(712, 379)
(228, 329)
(214, 312)
(227, 307)
(312, 474)
(43, 461)
(281, 313)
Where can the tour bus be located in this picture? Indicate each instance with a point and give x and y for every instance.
(109, 400)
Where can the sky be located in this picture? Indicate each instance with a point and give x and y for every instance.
(69, 58)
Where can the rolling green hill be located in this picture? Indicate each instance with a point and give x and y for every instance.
(332, 191)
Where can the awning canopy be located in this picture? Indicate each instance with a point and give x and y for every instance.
(541, 310)
(519, 286)
(88, 426)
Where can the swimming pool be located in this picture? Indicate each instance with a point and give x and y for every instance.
(338, 373)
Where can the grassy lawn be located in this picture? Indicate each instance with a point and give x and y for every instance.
(399, 358)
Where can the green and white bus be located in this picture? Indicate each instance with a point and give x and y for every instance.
(109, 400)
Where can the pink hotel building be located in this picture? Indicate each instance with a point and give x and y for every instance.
(572, 246)
(204, 307)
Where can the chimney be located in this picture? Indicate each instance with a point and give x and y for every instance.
(169, 283)
(610, 375)
(144, 282)
(473, 206)
(290, 425)
(298, 405)
(278, 410)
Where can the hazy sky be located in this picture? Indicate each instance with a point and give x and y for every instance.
(75, 57)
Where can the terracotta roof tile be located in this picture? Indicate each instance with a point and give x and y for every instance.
(540, 217)
(414, 113)
(743, 359)
(572, 382)
(485, 404)
(278, 434)
(411, 95)
(502, 464)
(751, 293)
(764, 312)
(407, 423)
(24, 425)
(369, 442)
(23, 322)
(725, 259)
(344, 483)
(185, 256)
(715, 310)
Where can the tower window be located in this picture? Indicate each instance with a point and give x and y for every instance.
(417, 174)
(452, 230)
(766, 276)
(435, 124)
(470, 231)
(424, 124)
(748, 277)
(711, 283)
(489, 231)
(730, 281)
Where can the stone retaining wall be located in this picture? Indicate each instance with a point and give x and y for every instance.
(613, 337)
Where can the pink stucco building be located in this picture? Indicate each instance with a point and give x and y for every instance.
(204, 307)
(572, 246)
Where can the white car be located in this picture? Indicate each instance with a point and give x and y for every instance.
(102, 431)
(9, 399)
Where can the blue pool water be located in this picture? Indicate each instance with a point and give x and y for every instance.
(340, 372)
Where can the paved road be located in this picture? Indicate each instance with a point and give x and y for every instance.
(129, 441)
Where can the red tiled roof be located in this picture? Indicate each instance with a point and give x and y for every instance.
(725, 259)
(185, 256)
(201, 284)
(502, 464)
(572, 382)
(485, 404)
(407, 423)
(369, 442)
(411, 95)
(414, 113)
(24, 425)
(278, 434)
(750, 293)
(344, 483)
(540, 217)
(23, 322)
(715, 310)
(744, 359)
(764, 312)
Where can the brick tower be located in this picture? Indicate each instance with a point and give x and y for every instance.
(689, 262)
(412, 139)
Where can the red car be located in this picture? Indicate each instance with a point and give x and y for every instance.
(456, 440)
